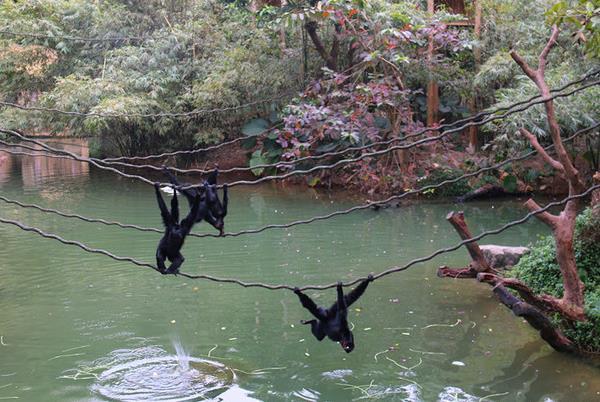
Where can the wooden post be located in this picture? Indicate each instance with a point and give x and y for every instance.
(596, 196)
(473, 130)
(282, 41)
(433, 95)
(477, 32)
(433, 103)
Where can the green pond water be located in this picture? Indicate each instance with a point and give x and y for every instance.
(76, 326)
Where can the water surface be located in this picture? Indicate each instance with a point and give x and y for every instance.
(81, 327)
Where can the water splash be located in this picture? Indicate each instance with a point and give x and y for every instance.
(151, 374)
(183, 358)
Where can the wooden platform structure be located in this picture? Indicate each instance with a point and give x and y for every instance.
(472, 20)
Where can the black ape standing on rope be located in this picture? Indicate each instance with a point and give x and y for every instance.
(175, 233)
(216, 212)
(333, 322)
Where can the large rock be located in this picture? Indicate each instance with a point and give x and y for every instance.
(502, 256)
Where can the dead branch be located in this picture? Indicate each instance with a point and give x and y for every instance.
(457, 220)
(543, 302)
(537, 76)
(457, 273)
(536, 319)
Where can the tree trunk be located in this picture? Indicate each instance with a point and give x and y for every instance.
(562, 225)
(571, 305)
(596, 197)
(330, 58)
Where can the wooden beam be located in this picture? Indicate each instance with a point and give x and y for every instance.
(473, 130)
(433, 103)
(433, 95)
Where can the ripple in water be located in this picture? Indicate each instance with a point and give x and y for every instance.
(151, 374)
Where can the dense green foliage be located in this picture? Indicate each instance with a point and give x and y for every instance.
(207, 55)
(367, 81)
(524, 26)
(540, 271)
(458, 188)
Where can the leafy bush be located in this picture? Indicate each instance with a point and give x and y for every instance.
(540, 271)
(201, 55)
(461, 187)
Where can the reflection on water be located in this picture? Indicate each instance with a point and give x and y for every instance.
(37, 170)
(81, 327)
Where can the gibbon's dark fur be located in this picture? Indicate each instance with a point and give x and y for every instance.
(333, 322)
(170, 244)
(216, 211)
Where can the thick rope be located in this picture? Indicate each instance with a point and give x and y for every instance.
(309, 287)
(298, 222)
(315, 168)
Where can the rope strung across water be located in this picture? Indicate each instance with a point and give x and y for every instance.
(315, 168)
(298, 222)
(309, 287)
(118, 160)
(403, 146)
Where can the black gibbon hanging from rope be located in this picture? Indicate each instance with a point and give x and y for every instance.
(170, 244)
(333, 322)
(217, 211)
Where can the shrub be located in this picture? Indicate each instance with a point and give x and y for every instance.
(461, 187)
(540, 271)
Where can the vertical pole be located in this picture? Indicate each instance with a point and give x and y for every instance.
(433, 96)
(473, 130)
(304, 54)
(477, 50)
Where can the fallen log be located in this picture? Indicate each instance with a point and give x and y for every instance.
(488, 191)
